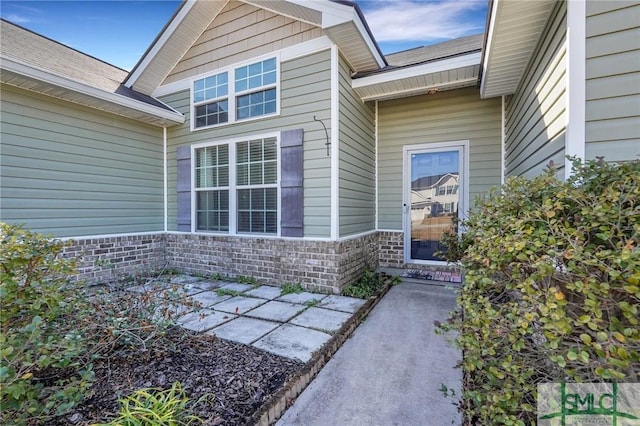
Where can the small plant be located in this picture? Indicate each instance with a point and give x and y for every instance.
(289, 288)
(155, 407)
(218, 277)
(447, 392)
(246, 280)
(228, 292)
(367, 285)
(311, 303)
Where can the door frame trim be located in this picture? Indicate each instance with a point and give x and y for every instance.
(463, 204)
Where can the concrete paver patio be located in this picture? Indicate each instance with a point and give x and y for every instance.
(294, 325)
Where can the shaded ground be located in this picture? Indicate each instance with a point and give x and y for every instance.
(227, 382)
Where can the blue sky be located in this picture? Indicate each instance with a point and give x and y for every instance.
(119, 31)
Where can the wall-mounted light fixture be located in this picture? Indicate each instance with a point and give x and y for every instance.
(327, 144)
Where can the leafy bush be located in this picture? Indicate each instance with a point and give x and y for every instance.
(39, 336)
(52, 328)
(552, 288)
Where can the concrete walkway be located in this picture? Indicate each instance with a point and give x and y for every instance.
(391, 370)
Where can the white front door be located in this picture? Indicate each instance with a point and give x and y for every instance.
(435, 188)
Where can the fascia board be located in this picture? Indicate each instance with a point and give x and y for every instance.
(85, 89)
(137, 73)
(488, 48)
(335, 14)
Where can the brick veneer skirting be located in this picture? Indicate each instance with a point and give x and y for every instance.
(319, 265)
(106, 258)
(326, 266)
(391, 249)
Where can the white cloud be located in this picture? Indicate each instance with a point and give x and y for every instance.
(405, 20)
(17, 19)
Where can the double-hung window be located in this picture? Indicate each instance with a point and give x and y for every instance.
(256, 183)
(239, 93)
(210, 99)
(212, 188)
(255, 88)
(236, 187)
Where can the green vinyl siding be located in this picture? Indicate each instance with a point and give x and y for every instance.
(613, 80)
(305, 92)
(448, 116)
(535, 116)
(67, 170)
(357, 159)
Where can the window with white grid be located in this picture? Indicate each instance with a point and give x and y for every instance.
(236, 94)
(257, 186)
(212, 188)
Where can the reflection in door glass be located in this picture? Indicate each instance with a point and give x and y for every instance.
(435, 190)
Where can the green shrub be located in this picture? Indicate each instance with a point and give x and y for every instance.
(155, 407)
(41, 350)
(551, 291)
(368, 285)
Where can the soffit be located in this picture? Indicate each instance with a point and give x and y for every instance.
(514, 30)
(430, 77)
(356, 50)
(292, 10)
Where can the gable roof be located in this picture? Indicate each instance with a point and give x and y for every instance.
(449, 48)
(42, 65)
(342, 21)
(26, 46)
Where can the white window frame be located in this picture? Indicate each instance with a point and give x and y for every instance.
(196, 190)
(233, 187)
(248, 186)
(195, 104)
(232, 94)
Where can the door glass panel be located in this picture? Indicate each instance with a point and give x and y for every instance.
(435, 190)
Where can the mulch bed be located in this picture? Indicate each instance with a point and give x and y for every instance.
(230, 381)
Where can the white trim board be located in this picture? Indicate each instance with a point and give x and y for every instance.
(95, 237)
(175, 23)
(575, 82)
(335, 148)
(165, 179)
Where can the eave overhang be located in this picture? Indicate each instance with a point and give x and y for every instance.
(26, 76)
(429, 77)
(343, 23)
(514, 28)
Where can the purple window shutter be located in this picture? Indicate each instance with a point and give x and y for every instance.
(183, 157)
(291, 189)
